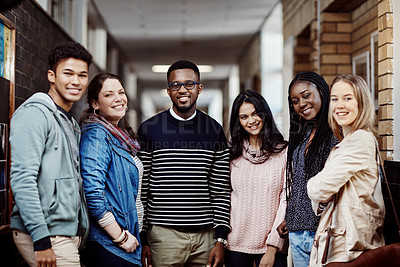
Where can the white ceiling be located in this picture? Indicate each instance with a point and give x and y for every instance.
(211, 32)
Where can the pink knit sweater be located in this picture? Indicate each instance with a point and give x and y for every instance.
(258, 204)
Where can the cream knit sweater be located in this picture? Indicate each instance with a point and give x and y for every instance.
(258, 204)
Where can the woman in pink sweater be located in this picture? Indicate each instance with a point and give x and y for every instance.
(258, 160)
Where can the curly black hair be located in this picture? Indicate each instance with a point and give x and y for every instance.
(68, 50)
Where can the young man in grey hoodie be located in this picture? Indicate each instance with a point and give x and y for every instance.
(50, 218)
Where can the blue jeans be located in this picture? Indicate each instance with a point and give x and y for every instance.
(240, 259)
(301, 243)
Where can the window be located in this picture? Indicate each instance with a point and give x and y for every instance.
(61, 11)
(366, 66)
(361, 66)
(374, 67)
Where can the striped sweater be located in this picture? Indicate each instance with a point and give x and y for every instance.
(186, 181)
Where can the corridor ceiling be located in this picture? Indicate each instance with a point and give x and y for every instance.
(213, 32)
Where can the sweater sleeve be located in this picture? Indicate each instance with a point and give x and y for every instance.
(28, 135)
(220, 189)
(273, 238)
(351, 156)
(145, 155)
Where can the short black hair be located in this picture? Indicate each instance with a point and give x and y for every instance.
(68, 50)
(183, 64)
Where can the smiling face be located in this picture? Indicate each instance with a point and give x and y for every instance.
(306, 100)
(69, 82)
(343, 105)
(112, 101)
(251, 122)
(184, 101)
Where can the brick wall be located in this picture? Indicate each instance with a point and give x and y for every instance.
(335, 44)
(364, 22)
(344, 35)
(303, 52)
(386, 116)
(385, 77)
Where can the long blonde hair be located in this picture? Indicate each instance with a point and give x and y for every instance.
(366, 110)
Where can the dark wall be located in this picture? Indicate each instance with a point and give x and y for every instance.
(391, 230)
(4, 100)
(36, 34)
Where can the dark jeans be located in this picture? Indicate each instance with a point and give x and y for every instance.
(239, 259)
(95, 255)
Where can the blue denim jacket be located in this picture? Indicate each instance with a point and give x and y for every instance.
(111, 181)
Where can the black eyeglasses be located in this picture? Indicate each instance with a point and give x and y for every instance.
(189, 85)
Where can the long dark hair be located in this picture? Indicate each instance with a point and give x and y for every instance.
(321, 144)
(271, 137)
(93, 91)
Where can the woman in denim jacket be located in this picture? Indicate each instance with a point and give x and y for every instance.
(110, 172)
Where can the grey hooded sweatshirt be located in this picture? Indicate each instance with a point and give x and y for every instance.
(45, 181)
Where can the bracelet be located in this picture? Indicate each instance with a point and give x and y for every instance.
(126, 237)
(120, 238)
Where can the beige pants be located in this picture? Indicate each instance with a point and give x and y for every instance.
(65, 248)
(170, 247)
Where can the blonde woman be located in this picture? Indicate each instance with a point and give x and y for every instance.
(346, 193)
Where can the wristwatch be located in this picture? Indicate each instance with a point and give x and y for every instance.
(223, 241)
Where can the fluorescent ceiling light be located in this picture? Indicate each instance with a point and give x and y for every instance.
(164, 68)
(159, 68)
(206, 68)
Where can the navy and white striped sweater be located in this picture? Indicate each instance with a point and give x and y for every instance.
(186, 181)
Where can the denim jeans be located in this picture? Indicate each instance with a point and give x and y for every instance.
(301, 243)
(240, 259)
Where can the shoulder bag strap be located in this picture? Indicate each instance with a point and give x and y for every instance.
(380, 164)
(329, 230)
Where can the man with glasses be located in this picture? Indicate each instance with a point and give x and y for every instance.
(186, 183)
